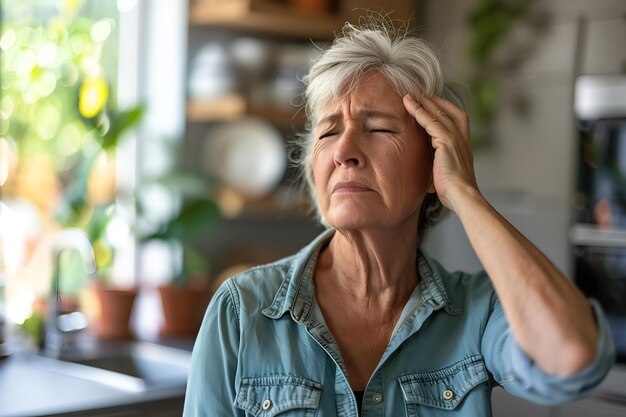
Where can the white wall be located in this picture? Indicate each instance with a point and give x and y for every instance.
(162, 86)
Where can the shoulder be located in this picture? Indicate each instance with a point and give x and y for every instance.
(465, 288)
(256, 287)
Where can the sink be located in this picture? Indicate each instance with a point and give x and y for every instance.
(130, 366)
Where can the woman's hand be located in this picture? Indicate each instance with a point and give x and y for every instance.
(453, 164)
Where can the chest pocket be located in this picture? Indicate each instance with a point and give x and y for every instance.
(445, 388)
(274, 395)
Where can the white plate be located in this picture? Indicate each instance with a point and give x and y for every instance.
(247, 155)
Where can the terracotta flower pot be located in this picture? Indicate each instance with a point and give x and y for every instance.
(183, 309)
(112, 312)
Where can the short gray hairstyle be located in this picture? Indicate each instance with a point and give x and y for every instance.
(408, 62)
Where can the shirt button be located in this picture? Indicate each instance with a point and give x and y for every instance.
(266, 404)
(448, 394)
(377, 397)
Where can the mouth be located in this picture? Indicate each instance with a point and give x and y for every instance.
(350, 187)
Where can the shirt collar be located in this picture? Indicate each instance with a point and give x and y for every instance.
(296, 293)
(431, 286)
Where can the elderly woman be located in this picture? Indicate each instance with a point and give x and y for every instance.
(361, 321)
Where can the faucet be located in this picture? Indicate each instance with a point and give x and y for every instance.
(62, 327)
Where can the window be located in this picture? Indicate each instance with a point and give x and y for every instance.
(63, 131)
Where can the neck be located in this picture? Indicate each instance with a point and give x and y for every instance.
(372, 264)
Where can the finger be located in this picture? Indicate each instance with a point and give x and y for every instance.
(432, 125)
(438, 112)
(458, 116)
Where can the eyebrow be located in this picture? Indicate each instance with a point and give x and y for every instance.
(367, 113)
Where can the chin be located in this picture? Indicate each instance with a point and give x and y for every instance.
(351, 220)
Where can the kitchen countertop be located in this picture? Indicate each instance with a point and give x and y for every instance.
(29, 388)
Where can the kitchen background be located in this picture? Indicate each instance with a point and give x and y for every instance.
(162, 129)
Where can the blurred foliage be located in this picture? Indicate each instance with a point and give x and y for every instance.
(196, 215)
(194, 218)
(58, 108)
(34, 328)
(489, 22)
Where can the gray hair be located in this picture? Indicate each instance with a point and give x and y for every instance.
(409, 64)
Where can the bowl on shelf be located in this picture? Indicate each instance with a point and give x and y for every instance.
(247, 155)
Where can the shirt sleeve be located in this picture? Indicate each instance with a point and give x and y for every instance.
(211, 384)
(517, 373)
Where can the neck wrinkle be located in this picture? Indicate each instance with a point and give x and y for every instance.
(373, 265)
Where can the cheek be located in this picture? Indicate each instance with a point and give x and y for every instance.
(315, 160)
(422, 160)
(407, 160)
(319, 163)
(408, 168)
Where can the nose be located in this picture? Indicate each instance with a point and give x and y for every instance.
(348, 151)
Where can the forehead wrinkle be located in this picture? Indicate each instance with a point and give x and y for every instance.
(377, 114)
(365, 113)
(329, 118)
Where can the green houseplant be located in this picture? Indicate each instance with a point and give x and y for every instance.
(186, 296)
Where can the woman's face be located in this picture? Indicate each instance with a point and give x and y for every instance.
(372, 167)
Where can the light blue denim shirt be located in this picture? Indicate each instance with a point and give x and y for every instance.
(264, 350)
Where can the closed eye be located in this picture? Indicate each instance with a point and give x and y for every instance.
(326, 135)
(381, 131)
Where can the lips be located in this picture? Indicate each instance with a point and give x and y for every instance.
(350, 187)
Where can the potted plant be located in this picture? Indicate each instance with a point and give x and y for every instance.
(185, 297)
(86, 204)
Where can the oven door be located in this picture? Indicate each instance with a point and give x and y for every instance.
(600, 272)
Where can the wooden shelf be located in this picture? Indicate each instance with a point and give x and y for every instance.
(264, 17)
(226, 108)
(235, 106)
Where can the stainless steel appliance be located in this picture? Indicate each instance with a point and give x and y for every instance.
(598, 235)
